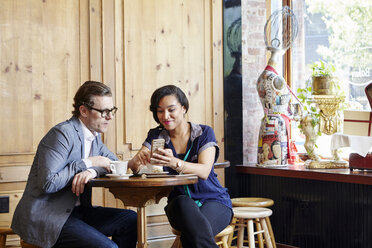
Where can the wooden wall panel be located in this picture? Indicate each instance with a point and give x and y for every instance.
(43, 58)
(39, 69)
(48, 48)
(165, 43)
(15, 77)
(95, 39)
(14, 173)
(156, 43)
(84, 40)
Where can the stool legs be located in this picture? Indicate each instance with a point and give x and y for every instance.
(250, 234)
(266, 233)
(253, 204)
(2, 241)
(270, 231)
(177, 243)
(240, 238)
(259, 235)
(231, 235)
(223, 242)
(261, 227)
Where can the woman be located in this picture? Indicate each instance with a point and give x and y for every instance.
(201, 210)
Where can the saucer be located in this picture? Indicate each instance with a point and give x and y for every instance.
(119, 176)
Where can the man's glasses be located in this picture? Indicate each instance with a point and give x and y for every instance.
(105, 112)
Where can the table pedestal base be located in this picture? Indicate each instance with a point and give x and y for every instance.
(139, 198)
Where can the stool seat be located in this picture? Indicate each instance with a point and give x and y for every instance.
(251, 212)
(246, 217)
(252, 202)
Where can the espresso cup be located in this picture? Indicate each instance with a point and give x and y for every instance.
(119, 167)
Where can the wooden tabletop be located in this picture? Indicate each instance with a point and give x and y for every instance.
(299, 171)
(224, 164)
(170, 180)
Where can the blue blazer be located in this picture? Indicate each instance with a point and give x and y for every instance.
(48, 201)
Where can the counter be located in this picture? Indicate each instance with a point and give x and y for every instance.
(299, 171)
(314, 208)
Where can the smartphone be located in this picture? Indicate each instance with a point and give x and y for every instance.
(156, 144)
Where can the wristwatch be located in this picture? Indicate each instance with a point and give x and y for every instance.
(179, 164)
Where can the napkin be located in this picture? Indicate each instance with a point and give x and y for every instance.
(359, 144)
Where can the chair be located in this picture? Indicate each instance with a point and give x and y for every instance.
(221, 238)
(4, 231)
(246, 216)
(27, 245)
(254, 202)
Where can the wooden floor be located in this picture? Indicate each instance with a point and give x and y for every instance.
(14, 243)
(155, 244)
(161, 244)
(159, 234)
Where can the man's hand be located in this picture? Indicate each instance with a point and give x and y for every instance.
(101, 161)
(140, 159)
(80, 180)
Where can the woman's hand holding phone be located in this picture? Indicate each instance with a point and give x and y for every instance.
(164, 157)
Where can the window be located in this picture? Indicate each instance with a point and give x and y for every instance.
(339, 32)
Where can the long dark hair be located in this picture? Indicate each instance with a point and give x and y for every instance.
(166, 91)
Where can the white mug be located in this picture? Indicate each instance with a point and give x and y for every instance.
(119, 167)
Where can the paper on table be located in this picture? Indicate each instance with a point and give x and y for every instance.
(360, 144)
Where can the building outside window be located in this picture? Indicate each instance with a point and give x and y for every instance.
(338, 32)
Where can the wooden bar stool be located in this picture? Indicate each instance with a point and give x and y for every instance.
(254, 202)
(221, 238)
(4, 232)
(246, 216)
(9, 231)
(27, 245)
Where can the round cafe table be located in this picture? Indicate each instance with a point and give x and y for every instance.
(142, 191)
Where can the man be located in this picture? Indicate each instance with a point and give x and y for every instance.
(55, 209)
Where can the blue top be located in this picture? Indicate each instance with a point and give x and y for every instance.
(201, 138)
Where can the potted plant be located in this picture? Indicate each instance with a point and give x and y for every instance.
(323, 82)
(311, 120)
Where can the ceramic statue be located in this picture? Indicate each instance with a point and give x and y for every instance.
(275, 97)
(274, 137)
(311, 134)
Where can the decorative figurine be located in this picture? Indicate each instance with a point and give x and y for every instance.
(274, 141)
(311, 134)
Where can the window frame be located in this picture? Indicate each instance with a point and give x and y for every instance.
(354, 120)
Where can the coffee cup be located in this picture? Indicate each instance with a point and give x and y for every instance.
(119, 167)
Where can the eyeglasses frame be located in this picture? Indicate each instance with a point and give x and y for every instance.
(102, 111)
